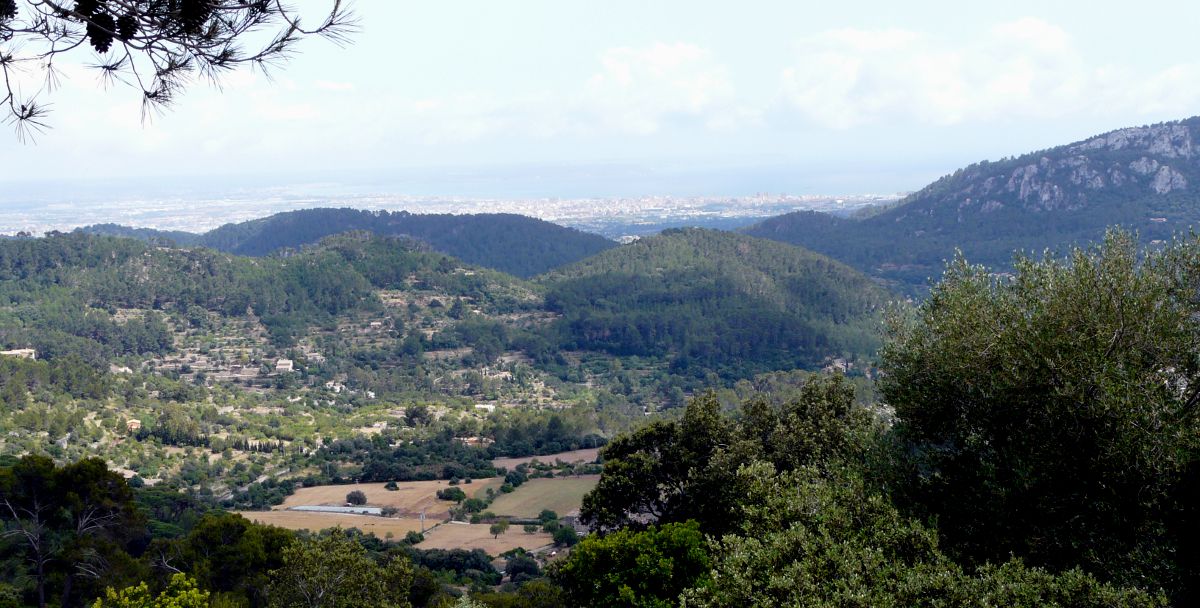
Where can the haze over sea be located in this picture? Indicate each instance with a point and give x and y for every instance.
(605, 198)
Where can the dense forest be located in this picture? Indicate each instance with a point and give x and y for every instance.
(515, 244)
(714, 301)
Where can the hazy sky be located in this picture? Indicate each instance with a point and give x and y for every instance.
(797, 96)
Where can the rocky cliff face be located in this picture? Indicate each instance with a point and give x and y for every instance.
(1146, 179)
(1153, 160)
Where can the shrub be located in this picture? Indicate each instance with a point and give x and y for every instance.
(455, 494)
(565, 536)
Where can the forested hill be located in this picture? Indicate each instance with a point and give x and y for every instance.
(1143, 178)
(715, 300)
(62, 294)
(516, 244)
(167, 237)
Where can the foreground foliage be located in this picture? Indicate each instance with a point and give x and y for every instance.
(640, 569)
(1053, 415)
(334, 571)
(813, 541)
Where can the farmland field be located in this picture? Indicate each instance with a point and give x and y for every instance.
(411, 498)
(559, 494)
(369, 524)
(588, 455)
(477, 536)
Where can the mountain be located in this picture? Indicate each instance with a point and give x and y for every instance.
(715, 301)
(1143, 178)
(516, 244)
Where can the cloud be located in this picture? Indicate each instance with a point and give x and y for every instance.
(633, 91)
(1026, 68)
(637, 89)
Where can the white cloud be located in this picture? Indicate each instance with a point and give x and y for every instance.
(638, 88)
(634, 91)
(1026, 68)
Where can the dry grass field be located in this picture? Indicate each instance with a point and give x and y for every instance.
(588, 455)
(411, 498)
(369, 524)
(477, 536)
(559, 494)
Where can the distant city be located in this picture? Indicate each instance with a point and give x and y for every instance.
(616, 217)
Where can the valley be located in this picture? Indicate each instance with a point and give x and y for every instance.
(459, 385)
(338, 304)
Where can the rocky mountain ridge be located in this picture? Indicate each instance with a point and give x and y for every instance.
(1157, 159)
(1146, 179)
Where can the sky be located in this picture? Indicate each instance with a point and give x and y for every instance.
(642, 97)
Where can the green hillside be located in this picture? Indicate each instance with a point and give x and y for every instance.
(61, 294)
(712, 300)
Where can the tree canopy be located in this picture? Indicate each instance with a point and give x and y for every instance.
(1053, 414)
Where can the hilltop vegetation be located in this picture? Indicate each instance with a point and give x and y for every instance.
(1145, 179)
(713, 301)
(515, 244)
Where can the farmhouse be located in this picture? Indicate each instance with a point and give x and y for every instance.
(133, 424)
(24, 353)
(284, 365)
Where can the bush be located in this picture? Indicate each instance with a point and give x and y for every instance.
(356, 498)
(522, 564)
(391, 486)
(455, 494)
(565, 536)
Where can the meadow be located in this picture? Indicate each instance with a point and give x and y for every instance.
(559, 494)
